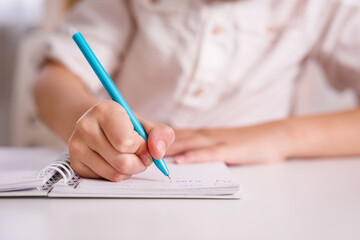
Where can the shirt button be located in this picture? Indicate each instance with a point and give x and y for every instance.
(217, 30)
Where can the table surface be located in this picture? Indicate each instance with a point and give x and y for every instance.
(298, 199)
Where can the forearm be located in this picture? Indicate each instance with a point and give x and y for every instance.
(316, 136)
(320, 136)
(61, 99)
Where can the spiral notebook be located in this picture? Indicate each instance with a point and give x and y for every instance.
(208, 180)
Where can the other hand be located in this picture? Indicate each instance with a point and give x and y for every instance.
(234, 146)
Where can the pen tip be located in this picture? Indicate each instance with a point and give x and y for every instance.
(169, 177)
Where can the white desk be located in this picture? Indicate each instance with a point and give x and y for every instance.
(310, 199)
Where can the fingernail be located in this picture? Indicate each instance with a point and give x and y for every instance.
(146, 159)
(179, 159)
(161, 147)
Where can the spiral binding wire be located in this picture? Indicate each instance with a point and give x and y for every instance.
(59, 170)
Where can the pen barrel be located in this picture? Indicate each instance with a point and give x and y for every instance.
(107, 82)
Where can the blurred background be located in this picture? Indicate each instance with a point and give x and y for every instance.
(23, 23)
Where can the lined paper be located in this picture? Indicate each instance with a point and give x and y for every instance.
(206, 179)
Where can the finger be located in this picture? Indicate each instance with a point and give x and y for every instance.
(98, 142)
(82, 169)
(80, 153)
(124, 163)
(102, 168)
(160, 137)
(183, 133)
(207, 154)
(117, 127)
(91, 133)
(189, 141)
(144, 154)
(127, 164)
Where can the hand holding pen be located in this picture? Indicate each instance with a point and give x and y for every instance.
(109, 141)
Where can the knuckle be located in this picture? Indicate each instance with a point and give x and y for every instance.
(83, 126)
(111, 103)
(101, 107)
(116, 106)
(120, 114)
(124, 121)
(75, 147)
(109, 106)
(117, 140)
(124, 144)
(123, 164)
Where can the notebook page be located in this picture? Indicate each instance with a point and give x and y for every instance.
(194, 180)
(25, 179)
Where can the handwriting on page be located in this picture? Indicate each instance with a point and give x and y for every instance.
(185, 179)
(186, 183)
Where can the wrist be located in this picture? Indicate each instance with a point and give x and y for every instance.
(282, 139)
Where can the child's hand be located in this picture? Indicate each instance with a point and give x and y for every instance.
(250, 145)
(104, 143)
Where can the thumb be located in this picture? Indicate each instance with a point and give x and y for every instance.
(160, 137)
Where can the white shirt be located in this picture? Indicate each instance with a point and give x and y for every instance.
(196, 63)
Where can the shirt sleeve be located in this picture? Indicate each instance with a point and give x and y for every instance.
(107, 27)
(339, 55)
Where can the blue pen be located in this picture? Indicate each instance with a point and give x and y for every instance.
(112, 90)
